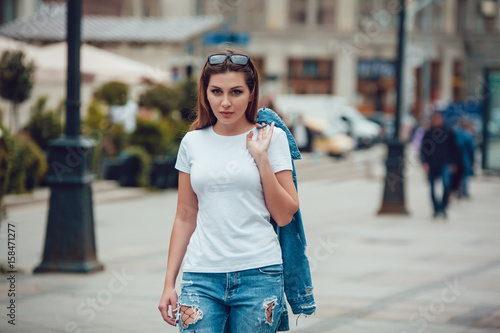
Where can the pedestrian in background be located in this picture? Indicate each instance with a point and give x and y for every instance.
(439, 155)
(234, 174)
(418, 135)
(467, 145)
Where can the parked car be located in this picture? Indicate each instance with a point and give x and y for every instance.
(333, 118)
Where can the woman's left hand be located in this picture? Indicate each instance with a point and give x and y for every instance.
(259, 147)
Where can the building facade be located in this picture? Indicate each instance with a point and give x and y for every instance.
(339, 47)
(348, 48)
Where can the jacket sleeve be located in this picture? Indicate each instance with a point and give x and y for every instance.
(423, 148)
(456, 151)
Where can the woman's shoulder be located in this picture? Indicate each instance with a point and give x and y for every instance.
(198, 134)
(277, 132)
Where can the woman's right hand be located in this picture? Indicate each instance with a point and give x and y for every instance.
(169, 299)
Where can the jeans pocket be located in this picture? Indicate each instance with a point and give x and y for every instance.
(272, 270)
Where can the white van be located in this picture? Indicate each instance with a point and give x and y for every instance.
(331, 114)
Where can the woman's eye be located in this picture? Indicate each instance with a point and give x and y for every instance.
(237, 92)
(216, 91)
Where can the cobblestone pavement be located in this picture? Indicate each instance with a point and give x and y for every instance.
(400, 274)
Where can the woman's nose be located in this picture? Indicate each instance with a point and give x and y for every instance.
(225, 101)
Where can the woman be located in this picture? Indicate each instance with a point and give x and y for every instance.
(234, 174)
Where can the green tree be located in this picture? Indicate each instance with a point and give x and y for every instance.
(45, 125)
(16, 81)
(161, 97)
(188, 92)
(113, 93)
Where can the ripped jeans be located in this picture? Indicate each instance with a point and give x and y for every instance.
(244, 301)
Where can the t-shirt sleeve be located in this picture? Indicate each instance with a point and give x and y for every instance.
(183, 162)
(279, 152)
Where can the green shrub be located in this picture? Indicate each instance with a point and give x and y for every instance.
(22, 163)
(149, 135)
(44, 125)
(159, 138)
(175, 131)
(5, 166)
(164, 99)
(113, 93)
(16, 81)
(29, 165)
(145, 163)
(36, 164)
(94, 121)
(188, 92)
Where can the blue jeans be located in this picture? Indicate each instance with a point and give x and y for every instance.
(443, 173)
(244, 301)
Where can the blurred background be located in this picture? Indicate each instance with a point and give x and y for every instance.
(328, 65)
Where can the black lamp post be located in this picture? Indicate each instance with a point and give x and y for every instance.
(69, 239)
(394, 198)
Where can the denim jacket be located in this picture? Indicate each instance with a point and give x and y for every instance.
(296, 271)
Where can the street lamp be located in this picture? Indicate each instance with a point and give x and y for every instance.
(69, 239)
(394, 200)
(488, 8)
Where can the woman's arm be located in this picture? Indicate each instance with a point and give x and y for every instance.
(280, 194)
(183, 228)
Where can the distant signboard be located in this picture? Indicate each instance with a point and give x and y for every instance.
(373, 69)
(219, 37)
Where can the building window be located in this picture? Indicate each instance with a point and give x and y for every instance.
(326, 13)
(376, 84)
(251, 15)
(310, 68)
(310, 76)
(298, 12)
(151, 8)
(376, 12)
(434, 23)
(198, 7)
(8, 10)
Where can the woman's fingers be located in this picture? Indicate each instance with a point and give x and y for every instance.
(164, 312)
(165, 304)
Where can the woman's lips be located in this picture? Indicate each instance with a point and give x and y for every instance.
(226, 114)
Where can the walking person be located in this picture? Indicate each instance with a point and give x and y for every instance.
(234, 175)
(438, 153)
(467, 145)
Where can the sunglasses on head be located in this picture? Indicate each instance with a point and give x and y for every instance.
(237, 59)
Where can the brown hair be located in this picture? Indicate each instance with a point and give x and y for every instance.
(205, 116)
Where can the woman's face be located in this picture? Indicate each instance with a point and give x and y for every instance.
(228, 95)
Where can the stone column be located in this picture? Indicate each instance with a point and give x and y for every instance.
(345, 77)
(277, 12)
(25, 8)
(446, 75)
(276, 66)
(450, 16)
(311, 17)
(137, 8)
(173, 8)
(346, 15)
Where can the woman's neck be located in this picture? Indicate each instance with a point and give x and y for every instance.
(232, 129)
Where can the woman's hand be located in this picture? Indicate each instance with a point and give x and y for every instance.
(258, 148)
(169, 299)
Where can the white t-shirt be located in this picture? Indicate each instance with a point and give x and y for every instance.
(233, 231)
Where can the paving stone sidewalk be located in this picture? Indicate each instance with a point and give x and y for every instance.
(388, 274)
